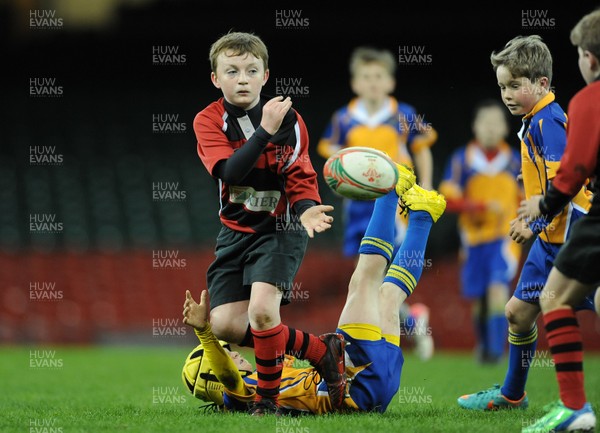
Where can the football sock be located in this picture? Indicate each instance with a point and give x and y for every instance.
(520, 354)
(496, 328)
(269, 348)
(379, 237)
(481, 329)
(302, 345)
(564, 339)
(407, 266)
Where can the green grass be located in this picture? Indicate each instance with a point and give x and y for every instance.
(140, 390)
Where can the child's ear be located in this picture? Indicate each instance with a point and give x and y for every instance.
(544, 82)
(266, 77)
(215, 80)
(593, 61)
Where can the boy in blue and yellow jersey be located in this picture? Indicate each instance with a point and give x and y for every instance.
(376, 119)
(369, 321)
(524, 72)
(480, 182)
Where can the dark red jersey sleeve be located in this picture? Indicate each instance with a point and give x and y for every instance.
(301, 178)
(583, 141)
(213, 145)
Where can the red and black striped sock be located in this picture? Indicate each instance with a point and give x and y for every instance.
(564, 339)
(303, 345)
(269, 349)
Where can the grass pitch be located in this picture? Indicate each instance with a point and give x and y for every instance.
(63, 390)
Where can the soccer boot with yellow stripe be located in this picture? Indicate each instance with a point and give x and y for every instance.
(491, 399)
(418, 198)
(406, 179)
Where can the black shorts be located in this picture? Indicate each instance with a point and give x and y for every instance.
(246, 258)
(579, 257)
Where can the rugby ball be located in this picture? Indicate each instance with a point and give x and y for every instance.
(360, 173)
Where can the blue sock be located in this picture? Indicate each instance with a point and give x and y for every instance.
(496, 332)
(481, 332)
(407, 266)
(379, 237)
(520, 354)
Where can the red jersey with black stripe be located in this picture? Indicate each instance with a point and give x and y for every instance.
(581, 159)
(282, 176)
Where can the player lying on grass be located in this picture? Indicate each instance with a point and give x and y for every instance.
(369, 322)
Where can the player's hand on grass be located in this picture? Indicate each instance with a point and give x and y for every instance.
(314, 219)
(520, 231)
(273, 113)
(194, 314)
(530, 209)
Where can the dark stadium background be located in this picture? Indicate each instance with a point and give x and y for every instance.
(99, 267)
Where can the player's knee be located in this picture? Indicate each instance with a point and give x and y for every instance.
(261, 317)
(511, 315)
(226, 329)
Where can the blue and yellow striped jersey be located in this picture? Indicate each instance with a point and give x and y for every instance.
(395, 129)
(543, 140)
(299, 391)
(491, 183)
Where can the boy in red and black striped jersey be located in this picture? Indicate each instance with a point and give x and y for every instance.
(575, 274)
(256, 149)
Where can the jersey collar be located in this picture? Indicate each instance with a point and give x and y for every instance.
(546, 100)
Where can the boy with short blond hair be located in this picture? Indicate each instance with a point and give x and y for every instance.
(524, 73)
(575, 273)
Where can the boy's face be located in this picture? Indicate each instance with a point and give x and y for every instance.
(519, 94)
(588, 65)
(240, 362)
(240, 78)
(490, 127)
(372, 82)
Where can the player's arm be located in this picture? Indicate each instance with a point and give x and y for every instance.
(579, 160)
(196, 315)
(421, 136)
(550, 137)
(424, 165)
(331, 140)
(452, 188)
(214, 148)
(577, 165)
(301, 185)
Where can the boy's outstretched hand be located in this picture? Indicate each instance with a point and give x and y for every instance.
(314, 219)
(194, 314)
(273, 113)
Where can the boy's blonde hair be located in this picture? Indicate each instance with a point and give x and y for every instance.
(236, 44)
(365, 55)
(586, 33)
(525, 56)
